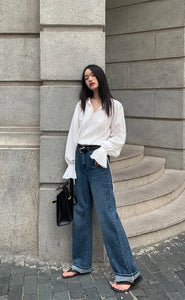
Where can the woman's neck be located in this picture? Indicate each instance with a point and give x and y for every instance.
(96, 96)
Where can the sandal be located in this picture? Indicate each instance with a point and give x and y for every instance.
(75, 273)
(70, 270)
(131, 285)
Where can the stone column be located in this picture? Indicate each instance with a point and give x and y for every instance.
(145, 66)
(19, 125)
(72, 36)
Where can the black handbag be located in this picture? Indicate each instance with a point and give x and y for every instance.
(64, 203)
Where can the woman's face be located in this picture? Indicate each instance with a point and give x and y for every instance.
(91, 80)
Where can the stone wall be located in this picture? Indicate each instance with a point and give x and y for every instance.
(19, 125)
(145, 67)
(44, 46)
(72, 36)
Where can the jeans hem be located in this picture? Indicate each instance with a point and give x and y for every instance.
(81, 270)
(119, 278)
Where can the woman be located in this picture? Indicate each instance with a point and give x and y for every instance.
(97, 130)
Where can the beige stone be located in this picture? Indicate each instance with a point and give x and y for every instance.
(20, 16)
(118, 3)
(170, 43)
(169, 104)
(120, 48)
(22, 104)
(72, 12)
(19, 59)
(69, 52)
(156, 133)
(19, 187)
(117, 75)
(15, 138)
(156, 74)
(116, 21)
(57, 107)
(156, 15)
(52, 164)
(174, 157)
(136, 103)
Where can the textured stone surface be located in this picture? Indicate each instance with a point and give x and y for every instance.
(20, 16)
(19, 184)
(130, 47)
(19, 59)
(117, 75)
(170, 43)
(136, 44)
(22, 105)
(116, 21)
(57, 106)
(55, 242)
(174, 157)
(155, 15)
(118, 3)
(157, 74)
(15, 138)
(143, 16)
(136, 103)
(72, 12)
(151, 74)
(159, 104)
(66, 49)
(169, 104)
(52, 164)
(69, 52)
(143, 46)
(157, 133)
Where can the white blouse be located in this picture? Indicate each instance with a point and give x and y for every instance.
(95, 128)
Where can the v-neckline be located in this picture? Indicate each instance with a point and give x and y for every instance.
(94, 111)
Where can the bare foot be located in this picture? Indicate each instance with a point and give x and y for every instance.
(125, 286)
(69, 273)
(121, 286)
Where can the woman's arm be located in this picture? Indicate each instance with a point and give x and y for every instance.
(117, 137)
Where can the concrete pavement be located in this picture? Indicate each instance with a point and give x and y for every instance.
(162, 267)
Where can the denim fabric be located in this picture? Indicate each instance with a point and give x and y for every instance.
(94, 186)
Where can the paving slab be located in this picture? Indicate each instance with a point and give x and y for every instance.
(162, 267)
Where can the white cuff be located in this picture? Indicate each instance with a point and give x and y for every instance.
(70, 172)
(100, 155)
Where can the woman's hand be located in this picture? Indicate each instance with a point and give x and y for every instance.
(96, 164)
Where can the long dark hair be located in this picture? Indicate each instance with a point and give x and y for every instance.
(103, 89)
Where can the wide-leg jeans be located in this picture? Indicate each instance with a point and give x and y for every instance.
(94, 186)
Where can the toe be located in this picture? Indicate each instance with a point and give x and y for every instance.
(122, 287)
(68, 274)
(114, 284)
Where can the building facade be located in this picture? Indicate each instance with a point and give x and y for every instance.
(44, 46)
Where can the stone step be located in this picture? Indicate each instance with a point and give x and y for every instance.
(130, 155)
(157, 225)
(146, 171)
(151, 196)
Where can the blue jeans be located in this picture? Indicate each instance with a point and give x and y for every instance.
(94, 186)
